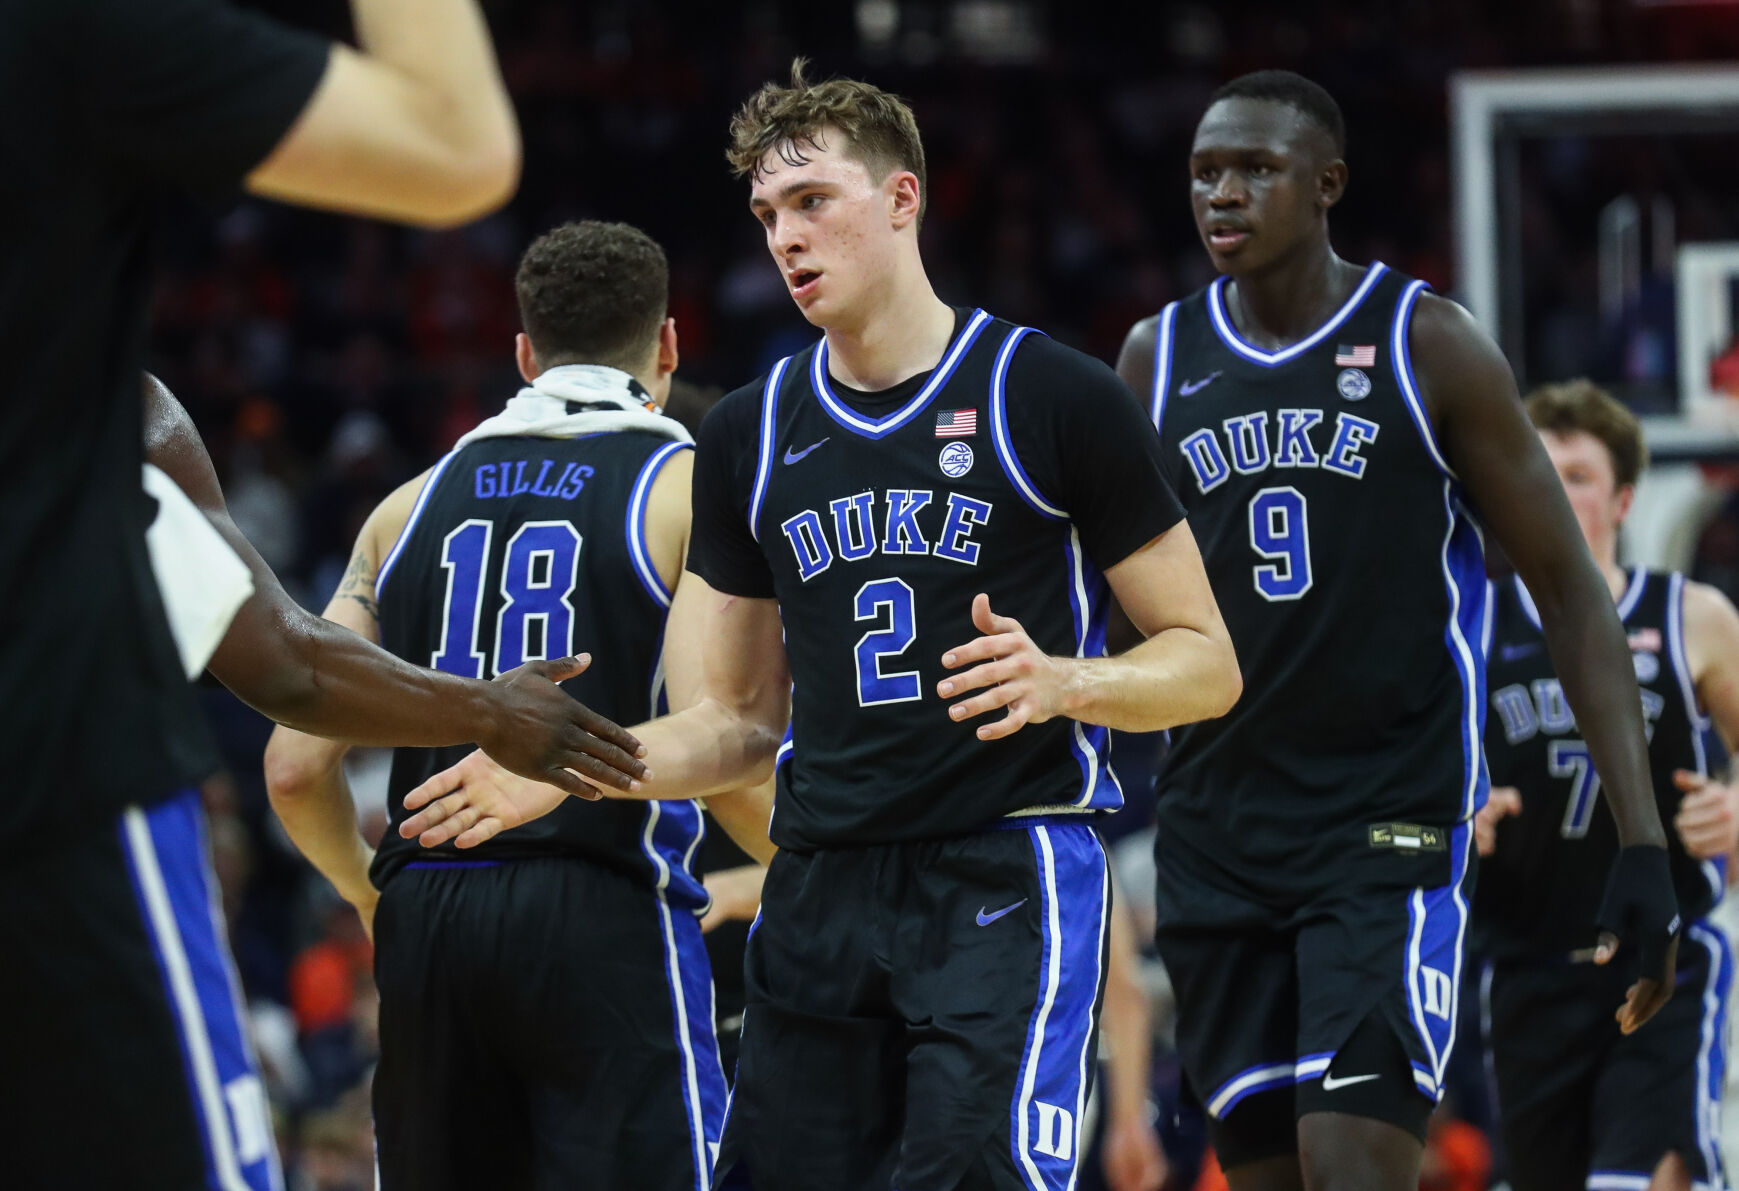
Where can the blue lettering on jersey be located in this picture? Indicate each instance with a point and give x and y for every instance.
(508, 479)
(903, 535)
(1350, 435)
(1540, 706)
(852, 526)
(853, 536)
(1249, 449)
(809, 543)
(1293, 448)
(1248, 434)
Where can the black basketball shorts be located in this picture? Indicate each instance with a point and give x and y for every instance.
(922, 1015)
(1269, 999)
(1583, 1105)
(543, 1023)
(126, 1055)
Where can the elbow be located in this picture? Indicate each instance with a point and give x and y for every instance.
(479, 182)
(292, 772)
(1230, 685)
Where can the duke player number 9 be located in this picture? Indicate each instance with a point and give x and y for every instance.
(1280, 533)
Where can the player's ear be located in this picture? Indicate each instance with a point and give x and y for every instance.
(1331, 183)
(529, 368)
(904, 198)
(1622, 500)
(667, 355)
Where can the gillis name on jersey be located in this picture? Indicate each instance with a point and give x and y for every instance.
(507, 478)
(849, 531)
(1249, 447)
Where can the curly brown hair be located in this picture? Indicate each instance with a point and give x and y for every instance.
(877, 126)
(593, 293)
(1583, 405)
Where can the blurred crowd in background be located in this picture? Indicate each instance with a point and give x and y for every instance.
(326, 361)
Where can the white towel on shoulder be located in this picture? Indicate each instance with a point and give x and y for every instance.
(574, 399)
(203, 581)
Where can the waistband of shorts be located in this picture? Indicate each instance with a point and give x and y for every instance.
(1046, 810)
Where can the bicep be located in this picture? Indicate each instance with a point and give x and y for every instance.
(667, 516)
(1163, 585)
(1496, 451)
(370, 142)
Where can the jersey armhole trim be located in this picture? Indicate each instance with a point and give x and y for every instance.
(1487, 628)
(1162, 362)
(1003, 441)
(1682, 666)
(764, 455)
(634, 526)
(1402, 357)
(404, 537)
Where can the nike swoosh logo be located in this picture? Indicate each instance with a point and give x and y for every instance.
(1191, 387)
(1330, 1083)
(986, 919)
(793, 456)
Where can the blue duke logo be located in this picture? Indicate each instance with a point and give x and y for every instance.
(955, 460)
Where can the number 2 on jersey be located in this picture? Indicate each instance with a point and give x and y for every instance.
(1280, 533)
(877, 645)
(538, 575)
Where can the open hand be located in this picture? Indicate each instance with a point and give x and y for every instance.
(535, 729)
(1021, 676)
(476, 800)
(1503, 802)
(1708, 818)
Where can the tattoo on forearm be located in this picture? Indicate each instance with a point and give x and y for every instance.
(358, 584)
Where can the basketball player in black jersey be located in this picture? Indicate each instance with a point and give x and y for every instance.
(919, 520)
(1582, 1104)
(553, 979)
(1339, 437)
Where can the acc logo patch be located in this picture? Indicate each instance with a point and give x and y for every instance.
(955, 460)
(1353, 384)
(1648, 666)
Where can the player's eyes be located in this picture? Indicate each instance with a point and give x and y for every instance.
(811, 201)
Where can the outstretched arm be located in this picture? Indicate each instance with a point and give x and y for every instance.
(725, 740)
(321, 678)
(1472, 399)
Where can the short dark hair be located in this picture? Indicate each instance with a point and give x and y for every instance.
(593, 293)
(1297, 93)
(1582, 405)
(879, 129)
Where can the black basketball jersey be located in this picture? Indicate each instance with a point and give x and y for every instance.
(879, 531)
(1351, 576)
(1539, 891)
(522, 548)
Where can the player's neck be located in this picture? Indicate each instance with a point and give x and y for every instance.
(1291, 298)
(1617, 578)
(904, 329)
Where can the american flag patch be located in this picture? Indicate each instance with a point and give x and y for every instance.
(956, 423)
(1362, 356)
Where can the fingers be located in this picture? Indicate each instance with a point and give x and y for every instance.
(1507, 799)
(594, 773)
(487, 828)
(1606, 947)
(1643, 1001)
(996, 696)
(981, 649)
(439, 786)
(456, 816)
(1008, 725)
(571, 784)
(1689, 782)
(986, 621)
(561, 669)
(1001, 670)
(612, 733)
